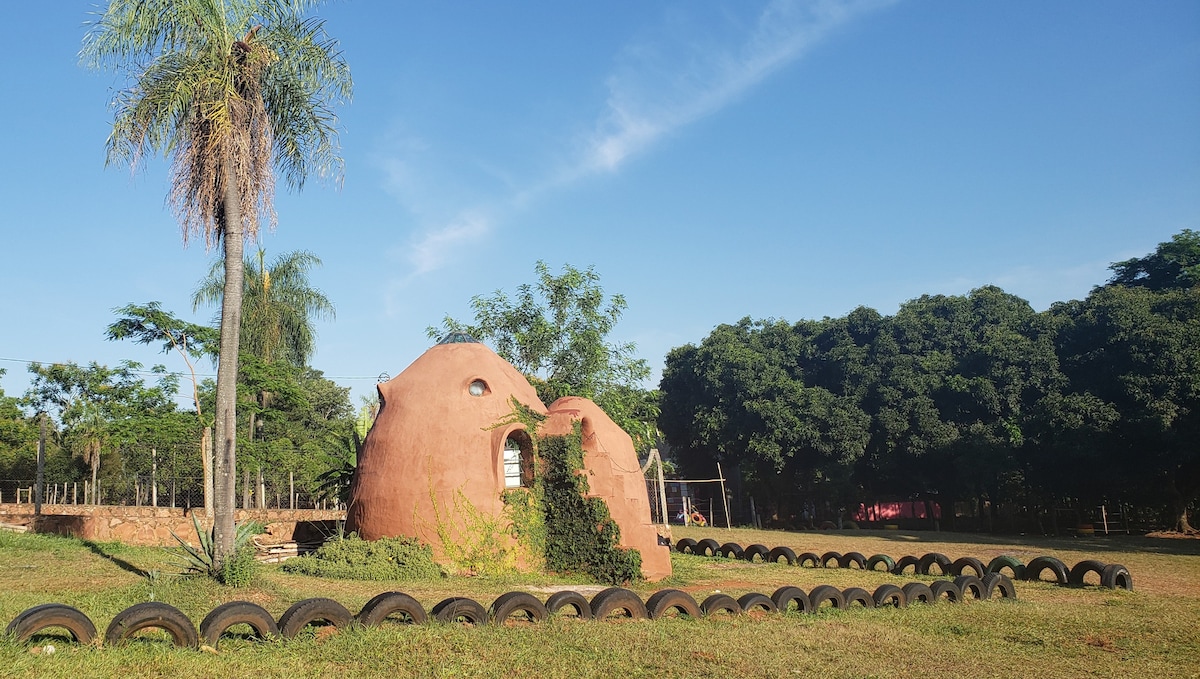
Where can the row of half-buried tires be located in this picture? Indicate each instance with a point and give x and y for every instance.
(510, 607)
(1114, 576)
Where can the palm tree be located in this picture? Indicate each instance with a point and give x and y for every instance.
(278, 305)
(86, 438)
(230, 90)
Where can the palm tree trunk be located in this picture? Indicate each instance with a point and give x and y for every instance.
(206, 456)
(225, 455)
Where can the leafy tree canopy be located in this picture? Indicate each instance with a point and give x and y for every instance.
(555, 331)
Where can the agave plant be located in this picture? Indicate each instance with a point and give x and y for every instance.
(200, 560)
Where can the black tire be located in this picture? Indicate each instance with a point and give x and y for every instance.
(831, 557)
(888, 563)
(903, 563)
(999, 582)
(731, 550)
(918, 593)
(233, 613)
(962, 563)
(1003, 561)
(808, 560)
(755, 601)
(304, 613)
(708, 547)
(718, 603)
(33, 620)
(889, 595)
(686, 546)
(573, 600)
(662, 602)
(785, 553)
(1116, 576)
(947, 589)
(761, 551)
(1033, 571)
(858, 595)
(971, 587)
(855, 558)
(785, 597)
(1080, 570)
(382, 606)
(511, 603)
(616, 599)
(460, 609)
(823, 593)
(929, 560)
(152, 614)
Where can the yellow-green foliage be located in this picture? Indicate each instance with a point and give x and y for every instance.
(523, 508)
(474, 542)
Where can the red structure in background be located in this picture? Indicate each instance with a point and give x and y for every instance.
(891, 511)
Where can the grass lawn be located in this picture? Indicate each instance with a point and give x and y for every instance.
(1049, 631)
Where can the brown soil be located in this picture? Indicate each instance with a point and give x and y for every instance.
(1175, 535)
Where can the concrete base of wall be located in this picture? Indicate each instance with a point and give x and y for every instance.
(152, 526)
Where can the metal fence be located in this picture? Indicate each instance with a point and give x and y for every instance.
(148, 491)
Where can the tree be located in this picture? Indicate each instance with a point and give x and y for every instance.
(555, 332)
(18, 438)
(279, 305)
(1173, 264)
(1134, 352)
(227, 90)
(147, 324)
(97, 406)
(278, 308)
(747, 396)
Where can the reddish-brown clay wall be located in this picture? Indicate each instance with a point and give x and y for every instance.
(433, 439)
(614, 474)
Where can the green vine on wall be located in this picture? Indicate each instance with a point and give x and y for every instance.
(555, 518)
(472, 540)
(581, 536)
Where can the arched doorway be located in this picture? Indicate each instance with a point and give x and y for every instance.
(518, 460)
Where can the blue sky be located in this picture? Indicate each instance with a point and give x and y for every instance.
(712, 160)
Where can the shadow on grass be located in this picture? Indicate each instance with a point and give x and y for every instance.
(105, 550)
(1098, 544)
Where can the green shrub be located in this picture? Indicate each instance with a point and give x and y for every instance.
(353, 558)
(240, 568)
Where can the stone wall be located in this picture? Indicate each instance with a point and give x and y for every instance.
(153, 525)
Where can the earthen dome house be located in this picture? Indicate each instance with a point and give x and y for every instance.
(436, 440)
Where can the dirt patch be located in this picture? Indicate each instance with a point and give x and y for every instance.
(1174, 535)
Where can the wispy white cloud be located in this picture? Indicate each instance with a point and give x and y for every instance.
(434, 247)
(682, 72)
(661, 88)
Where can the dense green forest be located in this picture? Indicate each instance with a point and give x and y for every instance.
(964, 399)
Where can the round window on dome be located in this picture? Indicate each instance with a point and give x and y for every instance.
(478, 388)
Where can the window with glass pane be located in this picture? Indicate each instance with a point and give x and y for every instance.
(512, 464)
